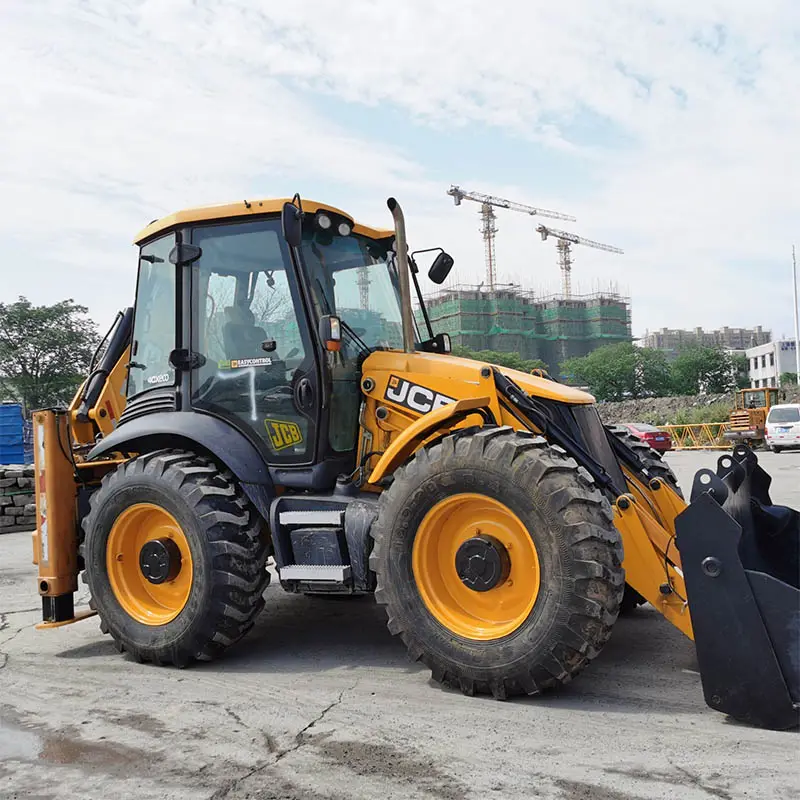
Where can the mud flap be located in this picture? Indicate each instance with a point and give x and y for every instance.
(740, 563)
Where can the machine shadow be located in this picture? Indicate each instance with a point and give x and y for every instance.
(646, 661)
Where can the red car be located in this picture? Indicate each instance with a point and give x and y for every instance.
(657, 439)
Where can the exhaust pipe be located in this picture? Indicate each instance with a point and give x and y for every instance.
(403, 273)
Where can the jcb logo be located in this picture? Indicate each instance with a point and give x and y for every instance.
(413, 396)
(283, 434)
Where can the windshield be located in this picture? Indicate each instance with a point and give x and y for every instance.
(754, 399)
(790, 414)
(355, 278)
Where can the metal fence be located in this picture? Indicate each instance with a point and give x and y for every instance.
(701, 436)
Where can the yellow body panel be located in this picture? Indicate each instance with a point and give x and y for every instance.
(438, 422)
(247, 208)
(438, 379)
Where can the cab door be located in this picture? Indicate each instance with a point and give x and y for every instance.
(258, 368)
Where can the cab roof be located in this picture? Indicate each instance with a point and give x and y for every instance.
(247, 208)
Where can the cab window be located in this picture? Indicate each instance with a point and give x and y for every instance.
(154, 323)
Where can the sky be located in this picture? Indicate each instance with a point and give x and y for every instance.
(669, 128)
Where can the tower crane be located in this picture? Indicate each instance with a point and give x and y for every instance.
(488, 221)
(564, 243)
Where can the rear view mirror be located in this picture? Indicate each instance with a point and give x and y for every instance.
(292, 224)
(441, 267)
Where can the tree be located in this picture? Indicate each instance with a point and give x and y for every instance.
(788, 379)
(44, 352)
(619, 371)
(510, 360)
(704, 369)
(739, 364)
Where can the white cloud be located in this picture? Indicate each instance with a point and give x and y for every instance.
(114, 112)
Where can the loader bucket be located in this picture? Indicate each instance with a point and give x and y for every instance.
(739, 553)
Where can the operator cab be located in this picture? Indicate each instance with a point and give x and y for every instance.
(230, 320)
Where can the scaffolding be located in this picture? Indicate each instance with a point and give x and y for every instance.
(552, 328)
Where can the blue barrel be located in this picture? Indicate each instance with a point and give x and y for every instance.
(15, 438)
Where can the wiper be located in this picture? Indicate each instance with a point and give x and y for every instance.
(355, 337)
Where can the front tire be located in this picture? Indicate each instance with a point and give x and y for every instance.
(486, 490)
(174, 558)
(653, 461)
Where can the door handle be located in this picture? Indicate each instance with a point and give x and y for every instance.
(304, 393)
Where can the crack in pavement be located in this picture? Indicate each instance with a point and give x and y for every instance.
(3, 655)
(15, 634)
(298, 738)
(20, 611)
(697, 781)
(299, 741)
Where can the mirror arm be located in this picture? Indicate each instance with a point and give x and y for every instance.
(422, 304)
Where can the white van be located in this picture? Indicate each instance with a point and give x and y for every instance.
(783, 427)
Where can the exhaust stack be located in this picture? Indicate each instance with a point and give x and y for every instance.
(403, 273)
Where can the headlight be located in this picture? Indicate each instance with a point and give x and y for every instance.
(324, 222)
(344, 229)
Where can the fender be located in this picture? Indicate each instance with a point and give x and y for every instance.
(444, 419)
(201, 432)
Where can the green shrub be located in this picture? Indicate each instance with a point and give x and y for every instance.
(716, 412)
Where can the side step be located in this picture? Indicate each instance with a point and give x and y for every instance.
(322, 542)
(333, 573)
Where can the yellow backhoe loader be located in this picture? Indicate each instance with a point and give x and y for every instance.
(748, 419)
(270, 396)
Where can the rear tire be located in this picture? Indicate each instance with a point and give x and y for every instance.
(227, 558)
(777, 449)
(579, 552)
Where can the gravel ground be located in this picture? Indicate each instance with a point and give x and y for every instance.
(320, 702)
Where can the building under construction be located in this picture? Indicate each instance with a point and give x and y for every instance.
(551, 328)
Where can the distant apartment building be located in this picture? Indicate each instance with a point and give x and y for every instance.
(672, 341)
(767, 362)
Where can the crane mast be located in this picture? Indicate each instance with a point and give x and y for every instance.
(489, 228)
(564, 242)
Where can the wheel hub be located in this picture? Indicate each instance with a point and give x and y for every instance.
(482, 563)
(160, 560)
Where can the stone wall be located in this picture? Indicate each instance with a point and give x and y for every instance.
(17, 499)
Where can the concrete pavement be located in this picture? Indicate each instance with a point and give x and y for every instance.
(319, 701)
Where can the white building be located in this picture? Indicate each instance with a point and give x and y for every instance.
(766, 362)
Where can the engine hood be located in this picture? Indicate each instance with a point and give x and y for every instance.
(452, 370)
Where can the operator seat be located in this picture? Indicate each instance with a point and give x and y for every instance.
(241, 336)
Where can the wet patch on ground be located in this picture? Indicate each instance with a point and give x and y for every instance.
(20, 741)
(383, 761)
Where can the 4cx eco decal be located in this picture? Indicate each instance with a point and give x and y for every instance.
(283, 434)
(413, 396)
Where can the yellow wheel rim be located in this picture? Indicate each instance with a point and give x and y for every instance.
(148, 602)
(479, 615)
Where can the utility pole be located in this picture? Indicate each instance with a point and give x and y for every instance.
(796, 324)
